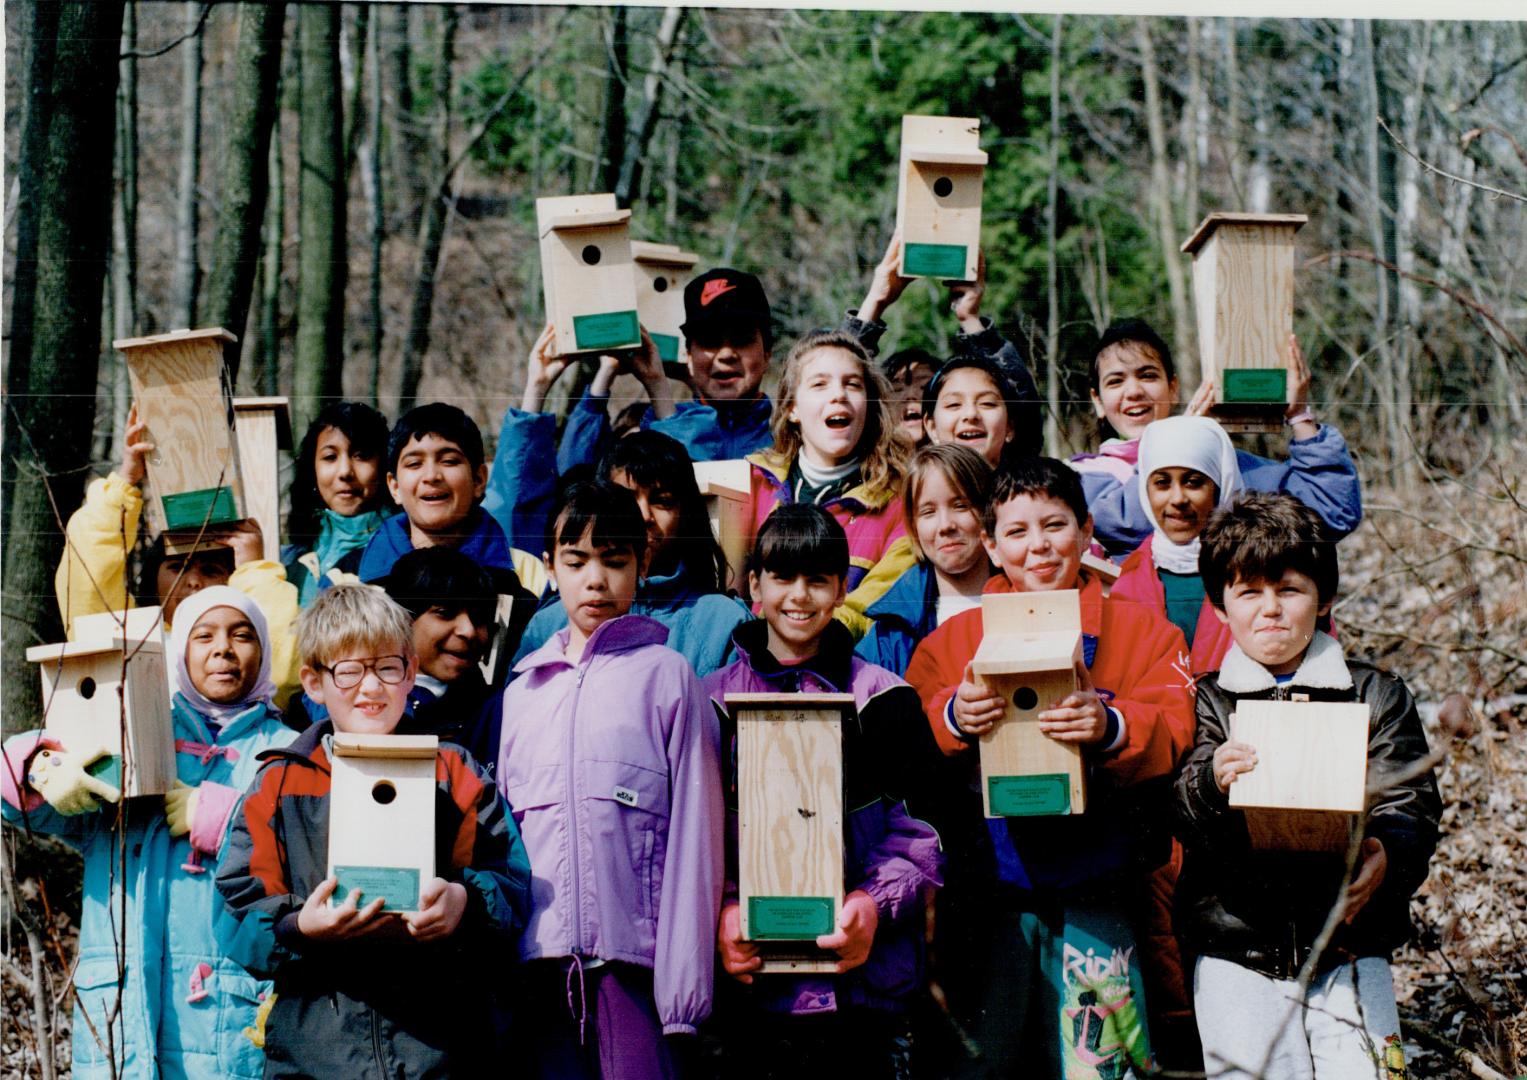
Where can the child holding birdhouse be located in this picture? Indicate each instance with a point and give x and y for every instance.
(184, 1005)
(608, 759)
(853, 1018)
(1134, 384)
(1253, 913)
(1048, 927)
(358, 986)
(102, 534)
(339, 498)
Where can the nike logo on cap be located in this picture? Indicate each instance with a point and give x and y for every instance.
(714, 288)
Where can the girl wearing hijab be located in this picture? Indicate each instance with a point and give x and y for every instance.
(1188, 469)
(152, 996)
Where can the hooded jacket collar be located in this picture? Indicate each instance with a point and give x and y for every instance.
(617, 635)
(1323, 668)
(833, 663)
(484, 544)
(859, 495)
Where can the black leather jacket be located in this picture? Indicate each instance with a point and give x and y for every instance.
(1264, 910)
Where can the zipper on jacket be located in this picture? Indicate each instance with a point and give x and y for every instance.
(572, 807)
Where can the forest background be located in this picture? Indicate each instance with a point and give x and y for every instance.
(350, 189)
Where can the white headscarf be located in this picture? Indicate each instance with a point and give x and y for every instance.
(191, 609)
(1185, 442)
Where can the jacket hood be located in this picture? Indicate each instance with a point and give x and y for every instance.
(621, 634)
(1323, 668)
(833, 663)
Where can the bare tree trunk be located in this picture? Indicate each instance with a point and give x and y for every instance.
(1233, 113)
(124, 227)
(606, 169)
(1384, 376)
(1052, 283)
(352, 60)
(1407, 210)
(270, 286)
(51, 431)
(371, 180)
(432, 227)
(1195, 126)
(245, 153)
(405, 142)
(319, 359)
(183, 286)
(1161, 208)
(627, 185)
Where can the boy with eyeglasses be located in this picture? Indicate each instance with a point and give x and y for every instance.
(357, 988)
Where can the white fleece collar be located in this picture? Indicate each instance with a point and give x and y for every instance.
(1323, 668)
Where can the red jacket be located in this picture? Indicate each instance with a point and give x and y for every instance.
(1138, 582)
(1140, 668)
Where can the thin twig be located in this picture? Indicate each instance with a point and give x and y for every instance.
(1429, 167)
(133, 54)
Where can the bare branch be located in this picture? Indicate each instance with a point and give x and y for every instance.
(1429, 167)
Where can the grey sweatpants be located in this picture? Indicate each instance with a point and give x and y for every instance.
(1346, 1027)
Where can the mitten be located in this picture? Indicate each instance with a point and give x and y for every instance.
(59, 776)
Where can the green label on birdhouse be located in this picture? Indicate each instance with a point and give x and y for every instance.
(108, 768)
(1254, 386)
(397, 884)
(789, 918)
(611, 330)
(667, 347)
(1029, 796)
(934, 260)
(191, 509)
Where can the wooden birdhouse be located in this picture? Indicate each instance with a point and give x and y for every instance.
(1031, 643)
(1106, 572)
(790, 820)
(263, 426)
(938, 206)
(112, 693)
(662, 271)
(727, 487)
(586, 271)
(382, 817)
(104, 627)
(180, 384)
(1243, 289)
(1307, 792)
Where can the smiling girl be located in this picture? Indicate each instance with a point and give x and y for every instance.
(947, 487)
(1134, 384)
(1187, 470)
(338, 496)
(835, 445)
(970, 403)
(183, 1007)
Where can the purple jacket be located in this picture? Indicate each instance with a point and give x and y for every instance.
(888, 853)
(611, 770)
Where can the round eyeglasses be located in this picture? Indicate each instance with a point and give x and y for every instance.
(347, 674)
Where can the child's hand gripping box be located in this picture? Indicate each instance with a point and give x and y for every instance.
(1308, 789)
(1030, 646)
(790, 824)
(586, 270)
(382, 817)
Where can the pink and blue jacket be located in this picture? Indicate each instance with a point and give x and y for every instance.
(888, 852)
(611, 769)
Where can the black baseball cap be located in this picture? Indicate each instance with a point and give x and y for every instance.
(723, 298)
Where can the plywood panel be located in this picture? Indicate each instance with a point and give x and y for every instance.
(104, 627)
(180, 384)
(790, 814)
(93, 696)
(587, 274)
(1309, 785)
(938, 202)
(257, 424)
(382, 817)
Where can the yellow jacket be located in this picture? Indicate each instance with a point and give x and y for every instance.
(92, 577)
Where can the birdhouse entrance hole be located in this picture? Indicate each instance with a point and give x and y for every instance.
(87, 688)
(942, 187)
(591, 254)
(383, 792)
(659, 284)
(1025, 698)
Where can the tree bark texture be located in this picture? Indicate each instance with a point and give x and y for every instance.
(1161, 210)
(245, 150)
(404, 148)
(353, 71)
(319, 359)
(612, 144)
(634, 156)
(1052, 283)
(432, 226)
(186, 279)
(53, 418)
(371, 176)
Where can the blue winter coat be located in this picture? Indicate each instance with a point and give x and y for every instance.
(708, 432)
(522, 484)
(485, 545)
(1319, 472)
(905, 614)
(167, 931)
(700, 624)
